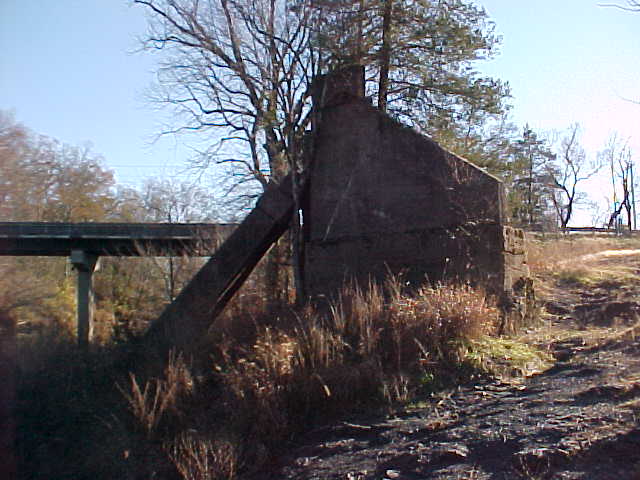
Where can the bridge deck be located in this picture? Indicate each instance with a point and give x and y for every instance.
(111, 239)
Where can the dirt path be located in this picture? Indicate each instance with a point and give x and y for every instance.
(577, 420)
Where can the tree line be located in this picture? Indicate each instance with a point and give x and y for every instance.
(238, 73)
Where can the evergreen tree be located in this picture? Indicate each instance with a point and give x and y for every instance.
(530, 168)
(419, 56)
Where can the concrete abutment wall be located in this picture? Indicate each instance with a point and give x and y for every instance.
(384, 199)
(379, 199)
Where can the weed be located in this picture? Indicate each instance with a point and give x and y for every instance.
(198, 458)
(574, 277)
(507, 357)
(159, 397)
(372, 346)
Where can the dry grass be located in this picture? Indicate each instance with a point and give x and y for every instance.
(160, 397)
(198, 458)
(289, 369)
(567, 264)
(580, 262)
(268, 374)
(369, 343)
(553, 254)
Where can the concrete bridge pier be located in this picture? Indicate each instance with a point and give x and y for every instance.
(85, 264)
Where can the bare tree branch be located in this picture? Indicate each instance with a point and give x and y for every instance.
(239, 69)
(632, 6)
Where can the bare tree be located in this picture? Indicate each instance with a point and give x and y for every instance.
(570, 169)
(175, 201)
(617, 155)
(46, 180)
(239, 71)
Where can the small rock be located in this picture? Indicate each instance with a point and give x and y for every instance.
(304, 461)
(556, 308)
(541, 458)
(356, 475)
(452, 453)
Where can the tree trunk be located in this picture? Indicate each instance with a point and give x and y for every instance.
(385, 56)
(530, 192)
(615, 215)
(627, 206)
(569, 212)
(358, 54)
(277, 274)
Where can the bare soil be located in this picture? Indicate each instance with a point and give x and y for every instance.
(580, 419)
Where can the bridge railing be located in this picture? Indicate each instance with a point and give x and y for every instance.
(112, 230)
(119, 239)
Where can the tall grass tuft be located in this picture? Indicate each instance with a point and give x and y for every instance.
(160, 397)
(197, 458)
(371, 347)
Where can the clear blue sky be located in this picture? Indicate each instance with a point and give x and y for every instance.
(67, 70)
(570, 61)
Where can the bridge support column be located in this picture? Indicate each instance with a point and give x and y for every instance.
(85, 264)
